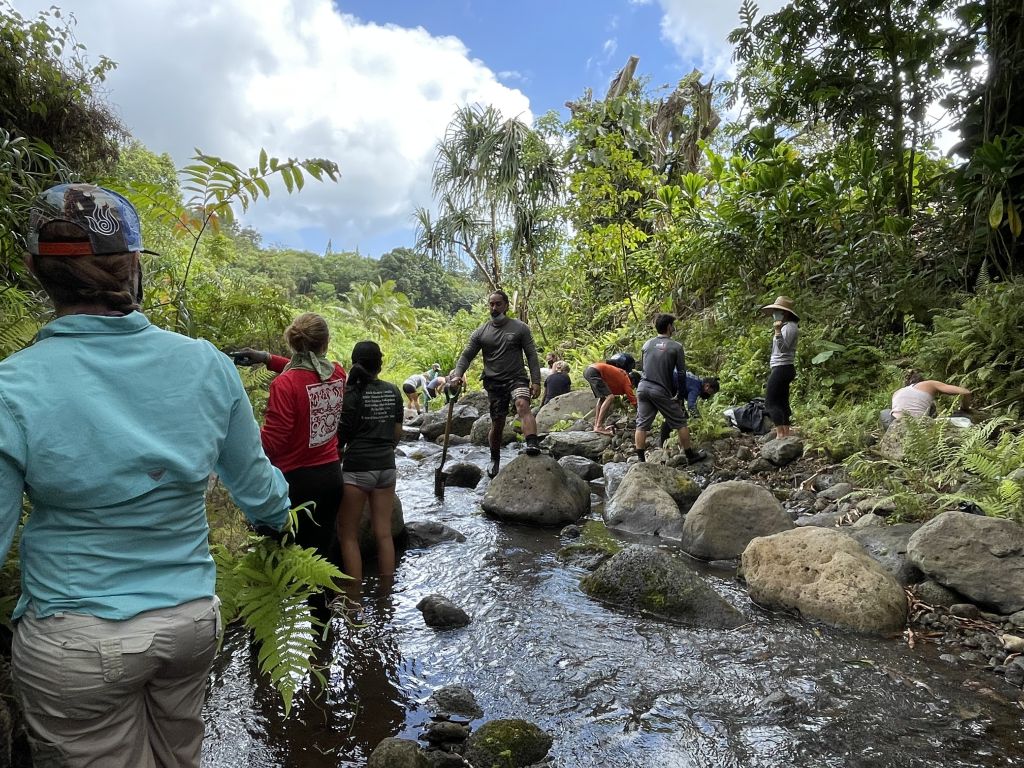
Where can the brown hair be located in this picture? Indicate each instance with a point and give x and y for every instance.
(308, 333)
(69, 280)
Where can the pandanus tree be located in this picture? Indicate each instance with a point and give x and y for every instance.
(495, 181)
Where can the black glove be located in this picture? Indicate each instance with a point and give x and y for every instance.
(248, 357)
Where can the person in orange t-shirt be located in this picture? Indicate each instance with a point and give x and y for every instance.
(606, 382)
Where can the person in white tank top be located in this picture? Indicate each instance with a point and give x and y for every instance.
(916, 399)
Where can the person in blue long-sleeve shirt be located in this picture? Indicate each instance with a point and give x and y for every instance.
(692, 388)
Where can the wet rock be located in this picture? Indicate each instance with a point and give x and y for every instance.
(582, 466)
(726, 516)
(418, 450)
(410, 434)
(588, 444)
(456, 699)
(965, 610)
(980, 557)
(397, 753)
(478, 433)
(573, 531)
(463, 416)
(593, 547)
(507, 743)
(568, 407)
(445, 732)
(934, 594)
(887, 546)
(825, 575)
(437, 758)
(441, 613)
(648, 501)
(836, 492)
(536, 490)
(613, 473)
(463, 475)
(650, 579)
(422, 534)
(783, 451)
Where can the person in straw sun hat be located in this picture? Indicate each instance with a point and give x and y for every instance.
(786, 331)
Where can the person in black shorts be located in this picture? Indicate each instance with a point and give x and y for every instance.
(504, 342)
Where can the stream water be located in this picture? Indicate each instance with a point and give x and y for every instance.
(612, 688)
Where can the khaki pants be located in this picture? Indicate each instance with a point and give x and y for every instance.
(105, 693)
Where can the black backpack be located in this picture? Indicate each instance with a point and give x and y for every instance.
(752, 417)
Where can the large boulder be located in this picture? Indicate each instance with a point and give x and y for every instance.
(588, 444)
(463, 416)
(568, 407)
(727, 516)
(783, 450)
(980, 557)
(650, 579)
(536, 490)
(479, 432)
(507, 743)
(887, 545)
(825, 575)
(651, 499)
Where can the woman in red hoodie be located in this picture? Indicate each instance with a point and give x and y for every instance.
(300, 429)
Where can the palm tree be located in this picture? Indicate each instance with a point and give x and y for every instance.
(493, 179)
(379, 309)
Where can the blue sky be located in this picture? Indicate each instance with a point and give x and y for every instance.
(371, 85)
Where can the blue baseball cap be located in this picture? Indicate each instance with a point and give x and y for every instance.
(107, 219)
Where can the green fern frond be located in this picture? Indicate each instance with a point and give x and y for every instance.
(269, 588)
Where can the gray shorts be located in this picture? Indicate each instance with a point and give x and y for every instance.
(652, 400)
(597, 384)
(371, 479)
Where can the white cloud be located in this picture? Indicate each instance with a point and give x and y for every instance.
(699, 30)
(300, 79)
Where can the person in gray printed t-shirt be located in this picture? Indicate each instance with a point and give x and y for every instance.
(504, 342)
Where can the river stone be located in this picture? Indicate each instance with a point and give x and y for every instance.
(478, 434)
(410, 434)
(887, 546)
(825, 575)
(397, 753)
(441, 613)
(462, 475)
(652, 580)
(651, 499)
(613, 472)
(536, 490)
(455, 700)
(726, 516)
(419, 450)
(826, 519)
(568, 407)
(367, 541)
(422, 534)
(507, 743)
(836, 492)
(980, 557)
(880, 507)
(463, 416)
(588, 444)
(934, 594)
(582, 466)
(783, 450)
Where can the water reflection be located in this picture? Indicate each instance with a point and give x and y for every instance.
(613, 688)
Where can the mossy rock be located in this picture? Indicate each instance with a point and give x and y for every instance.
(507, 744)
(595, 545)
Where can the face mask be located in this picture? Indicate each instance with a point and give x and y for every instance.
(778, 314)
(496, 313)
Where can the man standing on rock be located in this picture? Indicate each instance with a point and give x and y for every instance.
(660, 359)
(504, 342)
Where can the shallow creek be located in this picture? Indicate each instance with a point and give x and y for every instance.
(612, 688)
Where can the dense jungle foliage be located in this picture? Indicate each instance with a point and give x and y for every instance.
(813, 174)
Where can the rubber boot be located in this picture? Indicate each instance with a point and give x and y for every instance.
(532, 445)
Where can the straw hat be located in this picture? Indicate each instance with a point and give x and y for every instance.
(784, 303)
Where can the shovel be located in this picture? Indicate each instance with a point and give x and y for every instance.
(439, 475)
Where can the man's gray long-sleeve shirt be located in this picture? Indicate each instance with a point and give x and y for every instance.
(504, 342)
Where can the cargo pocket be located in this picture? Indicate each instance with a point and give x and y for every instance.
(97, 673)
(208, 631)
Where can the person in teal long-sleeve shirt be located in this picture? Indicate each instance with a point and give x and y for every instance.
(112, 428)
